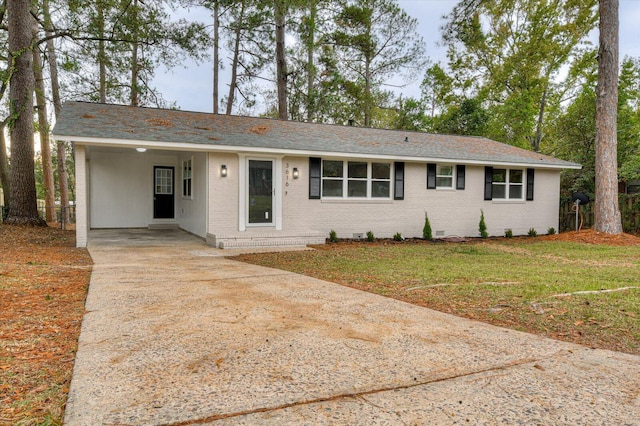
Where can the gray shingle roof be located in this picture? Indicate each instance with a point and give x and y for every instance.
(106, 122)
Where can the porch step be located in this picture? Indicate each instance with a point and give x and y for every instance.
(275, 240)
(172, 225)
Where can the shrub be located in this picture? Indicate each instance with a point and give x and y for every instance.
(482, 226)
(370, 236)
(508, 233)
(397, 237)
(551, 231)
(532, 232)
(426, 231)
(333, 237)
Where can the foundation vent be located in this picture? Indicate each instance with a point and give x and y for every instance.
(439, 233)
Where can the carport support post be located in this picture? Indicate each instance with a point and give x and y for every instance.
(82, 223)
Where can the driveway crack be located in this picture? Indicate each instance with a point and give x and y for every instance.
(355, 395)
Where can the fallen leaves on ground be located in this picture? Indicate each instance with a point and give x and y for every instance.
(43, 285)
(590, 236)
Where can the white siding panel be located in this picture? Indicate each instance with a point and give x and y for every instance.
(191, 213)
(122, 188)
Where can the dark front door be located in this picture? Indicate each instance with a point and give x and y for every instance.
(163, 200)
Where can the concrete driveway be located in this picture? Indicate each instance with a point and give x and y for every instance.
(177, 334)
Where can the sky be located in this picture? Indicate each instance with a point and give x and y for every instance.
(191, 87)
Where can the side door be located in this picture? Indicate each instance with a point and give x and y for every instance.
(163, 193)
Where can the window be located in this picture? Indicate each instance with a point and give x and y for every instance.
(444, 176)
(164, 181)
(507, 184)
(332, 173)
(380, 180)
(356, 179)
(186, 178)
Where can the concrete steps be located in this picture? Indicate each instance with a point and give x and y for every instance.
(265, 240)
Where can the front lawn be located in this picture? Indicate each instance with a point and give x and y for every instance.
(564, 289)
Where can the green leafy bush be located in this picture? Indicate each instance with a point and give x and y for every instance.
(508, 233)
(482, 226)
(551, 231)
(532, 232)
(370, 237)
(397, 237)
(333, 236)
(426, 231)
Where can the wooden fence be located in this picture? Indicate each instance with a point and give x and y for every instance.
(629, 210)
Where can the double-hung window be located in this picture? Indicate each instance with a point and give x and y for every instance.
(332, 178)
(186, 178)
(444, 176)
(508, 184)
(356, 179)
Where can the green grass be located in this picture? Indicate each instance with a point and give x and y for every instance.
(509, 282)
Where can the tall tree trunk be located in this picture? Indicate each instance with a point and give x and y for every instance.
(216, 51)
(23, 208)
(61, 146)
(5, 173)
(135, 92)
(607, 214)
(368, 58)
(535, 143)
(367, 94)
(43, 131)
(311, 68)
(102, 55)
(134, 97)
(234, 62)
(281, 63)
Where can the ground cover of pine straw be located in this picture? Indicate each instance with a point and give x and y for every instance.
(43, 285)
(579, 287)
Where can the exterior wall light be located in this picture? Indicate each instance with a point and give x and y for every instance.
(223, 170)
(296, 173)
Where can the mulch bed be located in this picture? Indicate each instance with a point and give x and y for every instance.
(590, 236)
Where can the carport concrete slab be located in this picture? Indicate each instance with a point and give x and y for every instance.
(177, 334)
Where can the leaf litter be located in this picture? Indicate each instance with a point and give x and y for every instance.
(43, 285)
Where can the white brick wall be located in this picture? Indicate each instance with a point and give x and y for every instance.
(82, 224)
(223, 194)
(453, 212)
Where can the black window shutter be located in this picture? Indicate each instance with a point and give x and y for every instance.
(431, 176)
(530, 176)
(315, 166)
(398, 188)
(460, 174)
(488, 183)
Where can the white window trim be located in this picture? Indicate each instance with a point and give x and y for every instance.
(452, 176)
(507, 184)
(243, 190)
(190, 196)
(345, 180)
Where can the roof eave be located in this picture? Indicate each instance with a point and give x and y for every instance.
(178, 146)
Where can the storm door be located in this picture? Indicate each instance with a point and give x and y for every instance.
(163, 198)
(261, 192)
